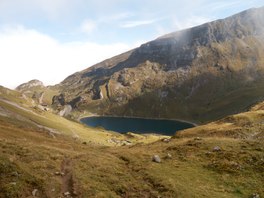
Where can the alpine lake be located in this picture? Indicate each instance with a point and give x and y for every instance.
(137, 125)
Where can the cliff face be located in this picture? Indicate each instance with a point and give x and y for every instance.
(198, 74)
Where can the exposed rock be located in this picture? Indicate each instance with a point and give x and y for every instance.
(235, 165)
(57, 173)
(113, 140)
(119, 142)
(156, 159)
(67, 194)
(58, 100)
(167, 140)
(197, 138)
(65, 111)
(217, 149)
(255, 195)
(75, 136)
(74, 103)
(168, 156)
(34, 192)
(43, 108)
(29, 85)
(126, 143)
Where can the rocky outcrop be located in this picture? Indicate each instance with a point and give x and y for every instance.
(29, 85)
(58, 100)
(198, 74)
(38, 93)
(65, 111)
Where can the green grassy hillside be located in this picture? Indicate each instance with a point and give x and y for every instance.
(43, 155)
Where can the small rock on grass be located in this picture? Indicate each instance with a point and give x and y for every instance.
(168, 156)
(57, 173)
(255, 195)
(167, 140)
(217, 149)
(67, 194)
(156, 159)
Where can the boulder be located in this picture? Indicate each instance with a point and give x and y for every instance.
(65, 111)
(156, 159)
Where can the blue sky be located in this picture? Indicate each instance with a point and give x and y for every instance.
(51, 39)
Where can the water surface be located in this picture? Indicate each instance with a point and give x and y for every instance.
(137, 125)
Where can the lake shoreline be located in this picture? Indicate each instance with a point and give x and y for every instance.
(109, 116)
(124, 124)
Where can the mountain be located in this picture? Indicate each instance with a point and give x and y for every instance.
(198, 74)
(46, 155)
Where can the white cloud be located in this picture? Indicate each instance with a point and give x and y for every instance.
(88, 26)
(28, 54)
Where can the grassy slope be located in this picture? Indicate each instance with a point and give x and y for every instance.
(30, 157)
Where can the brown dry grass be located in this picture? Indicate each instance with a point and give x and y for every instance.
(31, 159)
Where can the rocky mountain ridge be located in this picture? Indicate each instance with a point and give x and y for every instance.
(198, 74)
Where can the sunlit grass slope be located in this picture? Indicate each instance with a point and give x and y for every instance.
(44, 155)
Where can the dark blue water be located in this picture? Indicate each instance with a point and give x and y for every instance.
(136, 125)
